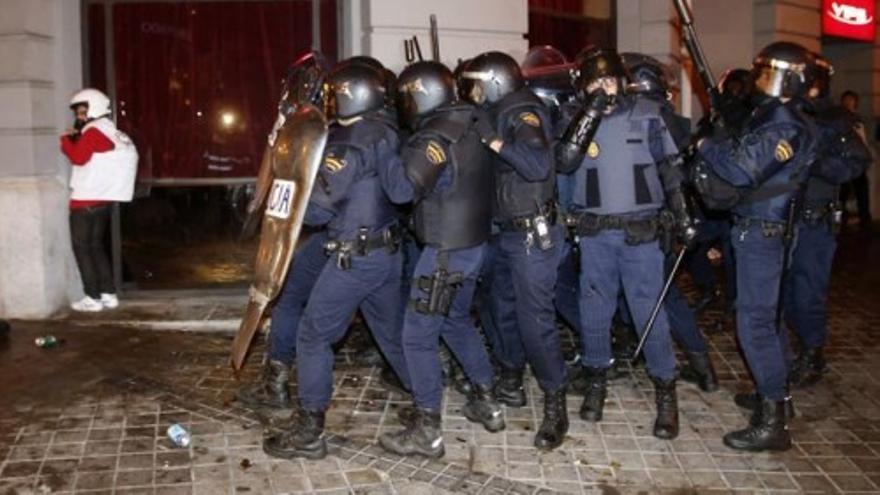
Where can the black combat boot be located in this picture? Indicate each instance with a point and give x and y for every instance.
(808, 368)
(509, 388)
(554, 426)
(272, 389)
(596, 381)
(483, 408)
(752, 402)
(768, 431)
(422, 436)
(700, 371)
(303, 437)
(666, 424)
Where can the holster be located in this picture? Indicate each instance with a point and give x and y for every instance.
(440, 288)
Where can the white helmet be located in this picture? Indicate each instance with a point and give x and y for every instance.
(97, 102)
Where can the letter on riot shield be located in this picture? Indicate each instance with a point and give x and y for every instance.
(296, 157)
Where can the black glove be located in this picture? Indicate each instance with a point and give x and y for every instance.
(485, 129)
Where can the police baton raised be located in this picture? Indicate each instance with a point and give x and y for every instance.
(659, 304)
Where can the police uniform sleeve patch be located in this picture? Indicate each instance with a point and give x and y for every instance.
(434, 152)
(334, 164)
(593, 150)
(530, 119)
(784, 151)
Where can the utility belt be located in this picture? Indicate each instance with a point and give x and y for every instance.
(439, 288)
(537, 227)
(817, 214)
(768, 228)
(637, 230)
(389, 238)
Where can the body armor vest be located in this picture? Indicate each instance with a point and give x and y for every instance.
(619, 175)
(514, 196)
(460, 216)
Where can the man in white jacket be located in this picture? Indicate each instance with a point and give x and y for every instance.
(104, 166)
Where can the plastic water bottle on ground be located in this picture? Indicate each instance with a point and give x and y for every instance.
(179, 435)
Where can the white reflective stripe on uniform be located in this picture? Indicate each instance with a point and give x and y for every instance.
(110, 175)
(280, 198)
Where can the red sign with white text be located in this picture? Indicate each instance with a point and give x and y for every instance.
(851, 19)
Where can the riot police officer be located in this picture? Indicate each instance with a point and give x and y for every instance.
(446, 171)
(515, 125)
(364, 269)
(760, 173)
(303, 84)
(844, 156)
(623, 175)
(651, 80)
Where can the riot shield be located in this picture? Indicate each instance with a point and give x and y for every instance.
(295, 159)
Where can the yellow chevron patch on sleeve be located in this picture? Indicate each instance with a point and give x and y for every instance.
(334, 164)
(434, 152)
(530, 119)
(784, 151)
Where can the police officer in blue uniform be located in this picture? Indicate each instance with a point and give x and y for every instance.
(650, 79)
(767, 163)
(515, 125)
(304, 83)
(364, 268)
(446, 171)
(844, 156)
(623, 176)
(548, 74)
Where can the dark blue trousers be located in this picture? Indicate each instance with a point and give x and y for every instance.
(371, 284)
(609, 263)
(523, 283)
(568, 289)
(682, 323)
(758, 272)
(422, 332)
(806, 297)
(308, 261)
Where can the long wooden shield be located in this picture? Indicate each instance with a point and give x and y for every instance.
(296, 156)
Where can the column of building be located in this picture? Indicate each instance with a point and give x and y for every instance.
(40, 47)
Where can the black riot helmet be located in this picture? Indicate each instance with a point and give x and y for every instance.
(819, 75)
(423, 87)
(543, 56)
(354, 89)
(648, 75)
(304, 82)
(389, 79)
(492, 76)
(548, 74)
(780, 70)
(594, 63)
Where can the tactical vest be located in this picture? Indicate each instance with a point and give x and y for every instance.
(514, 196)
(460, 216)
(770, 200)
(367, 205)
(618, 175)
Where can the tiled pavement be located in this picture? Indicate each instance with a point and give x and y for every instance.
(101, 429)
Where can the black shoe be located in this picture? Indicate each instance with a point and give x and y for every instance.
(700, 371)
(666, 424)
(751, 401)
(554, 426)
(596, 391)
(509, 388)
(303, 437)
(769, 432)
(482, 408)
(423, 436)
(808, 368)
(272, 389)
